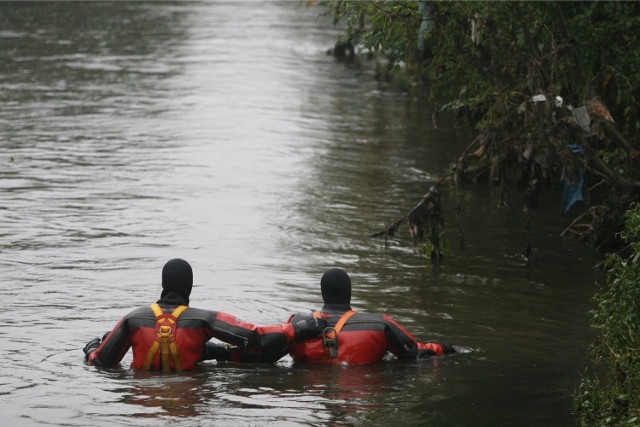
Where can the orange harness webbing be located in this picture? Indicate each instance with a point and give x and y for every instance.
(330, 334)
(165, 339)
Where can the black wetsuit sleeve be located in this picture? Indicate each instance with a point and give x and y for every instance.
(255, 343)
(404, 345)
(113, 348)
(399, 341)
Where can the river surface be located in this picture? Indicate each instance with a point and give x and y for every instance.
(222, 133)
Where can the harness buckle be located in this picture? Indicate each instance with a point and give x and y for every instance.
(165, 331)
(330, 341)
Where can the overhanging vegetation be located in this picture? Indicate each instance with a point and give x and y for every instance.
(550, 90)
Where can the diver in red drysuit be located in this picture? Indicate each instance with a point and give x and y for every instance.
(350, 337)
(364, 338)
(194, 328)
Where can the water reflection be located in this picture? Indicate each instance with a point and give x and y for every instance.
(166, 396)
(322, 395)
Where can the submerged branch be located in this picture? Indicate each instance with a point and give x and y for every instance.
(429, 201)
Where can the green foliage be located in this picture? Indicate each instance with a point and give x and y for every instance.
(611, 395)
(387, 27)
(518, 49)
(485, 61)
(435, 244)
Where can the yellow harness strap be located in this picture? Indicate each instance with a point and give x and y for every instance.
(343, 320)
(165, 339)
(330, 334)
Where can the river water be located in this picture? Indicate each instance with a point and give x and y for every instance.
(222, 133)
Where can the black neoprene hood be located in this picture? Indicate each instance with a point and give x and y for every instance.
(177, 281)
(336, 287)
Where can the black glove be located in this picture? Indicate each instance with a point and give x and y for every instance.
(424, 353)
(91, 346)
(447, 348)
(217, 351)
(309, 328)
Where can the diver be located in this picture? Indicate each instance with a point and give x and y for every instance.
(170, 336)
(353, 337)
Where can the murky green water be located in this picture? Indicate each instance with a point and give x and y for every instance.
(132, 133)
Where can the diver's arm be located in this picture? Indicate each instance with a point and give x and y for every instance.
(111, 349)
(260, 344)
(404, 345)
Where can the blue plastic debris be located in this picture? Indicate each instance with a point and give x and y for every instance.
(572, 190)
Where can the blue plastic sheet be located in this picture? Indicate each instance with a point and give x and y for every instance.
(573, 190)
(572, 193)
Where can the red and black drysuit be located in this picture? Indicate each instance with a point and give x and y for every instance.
(194, 328)
(189, 334)
(364, 338)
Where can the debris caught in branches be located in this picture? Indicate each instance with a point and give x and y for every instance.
(549, 154)
(511, 72)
